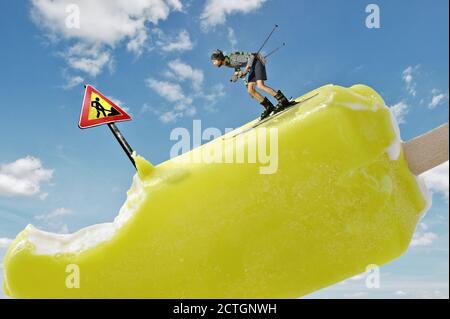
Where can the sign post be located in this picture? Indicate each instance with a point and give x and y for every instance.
(97, 109)
(122, 141)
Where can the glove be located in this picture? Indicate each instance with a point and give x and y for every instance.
(235, 77)
(243, 74)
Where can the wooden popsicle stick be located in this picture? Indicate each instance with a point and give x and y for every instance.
(427, 150)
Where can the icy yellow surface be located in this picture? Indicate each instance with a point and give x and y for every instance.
(342, 198)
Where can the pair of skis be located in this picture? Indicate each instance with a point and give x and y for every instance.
(260, 122)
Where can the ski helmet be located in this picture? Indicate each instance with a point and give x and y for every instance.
(217, 55)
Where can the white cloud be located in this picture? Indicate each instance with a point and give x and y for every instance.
(175, 4)
(102, 21)
(437, 179)
(182, 71)
(43, 196)
(215, 11)
(408, 77)
(423, 239)
(211, 99)
(103, 25)
(400, 110)
(23, 177)
(72, 81)
(59, 212)
(146, 108)
(400, 293)
(54, 220)
(422, 236)
(423, 226)
(232, 38)
(179, 72)
(173, 93)
(181, 42)
(137, 44)
(163, 115)
(437, 98)
(170, 116)
(5, 242)
(88, 59)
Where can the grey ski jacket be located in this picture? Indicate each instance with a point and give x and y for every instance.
(238, 60)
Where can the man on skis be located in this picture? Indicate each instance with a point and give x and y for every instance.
(254, 66)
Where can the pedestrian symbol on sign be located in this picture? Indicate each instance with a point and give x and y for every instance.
(100, 109)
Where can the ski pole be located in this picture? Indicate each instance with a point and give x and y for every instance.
(275, 50)
(267, 39)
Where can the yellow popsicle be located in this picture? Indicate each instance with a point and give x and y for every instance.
(339, 197)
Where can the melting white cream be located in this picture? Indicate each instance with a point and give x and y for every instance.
(46, 243)
(394, 149)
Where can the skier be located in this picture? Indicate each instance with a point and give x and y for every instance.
(254, 65)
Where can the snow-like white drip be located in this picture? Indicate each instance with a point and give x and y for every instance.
(355, 106)
(357, 95)
(46, 243)
(394, 149)
(428, 196)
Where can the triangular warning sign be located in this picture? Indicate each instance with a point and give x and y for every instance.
(97, 109)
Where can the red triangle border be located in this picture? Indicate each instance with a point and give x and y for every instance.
(86, 123)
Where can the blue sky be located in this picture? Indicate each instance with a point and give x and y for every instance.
(60, 178)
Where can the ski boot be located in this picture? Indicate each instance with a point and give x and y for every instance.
(269, 108)
(283, 102)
